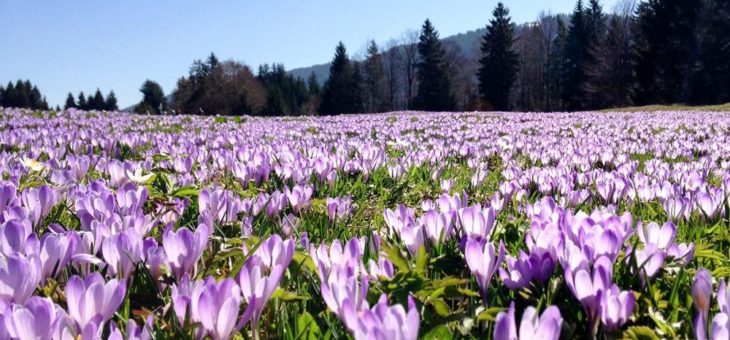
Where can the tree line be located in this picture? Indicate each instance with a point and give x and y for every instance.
(650, 52)
(22, 94)
(92, 102)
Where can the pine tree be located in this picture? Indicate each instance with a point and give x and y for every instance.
(70, 102)
(667, 50)
(313, 85)
(111, 102)
(2, 96)
(577, 50)
(153, 98)
(374, 80)
(82, 101)
(98, 102)
(712, 84)
(556, 69)
(9, 100)
(341, 93)
(434, 89)
(499, 62)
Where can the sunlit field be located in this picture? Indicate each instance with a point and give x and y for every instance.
(384, 226)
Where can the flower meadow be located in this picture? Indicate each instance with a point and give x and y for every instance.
(390, 226)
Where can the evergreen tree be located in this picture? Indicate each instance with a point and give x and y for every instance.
(97, 102)
(70, 102)
(556, 69)
(434, 89)
(9, 97)
(285, 94)
(374, 80)
(153, 98)
(577, 56)
(667, 50)
(2, 96)
(341, 93)
(499, 63)
(111, 102)
(313, 85)
(712, 84)
(82, 101)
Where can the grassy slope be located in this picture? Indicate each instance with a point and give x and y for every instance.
(675, 107)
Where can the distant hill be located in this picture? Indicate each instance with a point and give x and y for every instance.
(467, 42)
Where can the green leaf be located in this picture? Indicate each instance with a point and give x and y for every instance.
(287, 296)
(449, 281)
(188, 191)
(640, 333)
(395, 256)
(490, 314)
(438, 333)
(308, 328)
(441, 308)
(421, 259)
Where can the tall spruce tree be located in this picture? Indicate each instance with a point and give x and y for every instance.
(97, 102)
(81, 102)
(341, 92)
(313, 85)
(667, 50)
(70, 102)
(556, 69)
(712, 83)
(374, 84)
(111, 102)
(434, 85)
(499, 62)
(576, 57)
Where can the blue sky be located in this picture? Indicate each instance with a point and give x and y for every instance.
(75, 45)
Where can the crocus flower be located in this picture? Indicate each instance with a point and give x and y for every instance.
(19, 276)
(92, 301)
(215, 306)
(184, 247)
(533, 326)
(272, 257)
(701, 297)
(476, 222)
(483, 261)
(122, 252)
(616, 307)
(56, 251)
(383, 322)
(133, 331)
(33, 320)
(299, 197)
(438, 226)
(39, 202)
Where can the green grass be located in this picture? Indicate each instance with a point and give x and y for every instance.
(673, 107)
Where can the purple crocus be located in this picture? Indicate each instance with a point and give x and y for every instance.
(616, 307)
(260, 275)
(532, 326)
(19, 277)
(702, 297)
(299, 197)
(122, 252)
(476, 222)
(184, 247)
(56, 251)
(39, 202)
(382, 321)
(483, 261)
(35, 319)
(215, 306)
(133, 331)
(92, 302)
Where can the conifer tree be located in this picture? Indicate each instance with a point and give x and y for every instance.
(153, 98)
(111, 102)
(70, 102)
(434, 85)
(98, 101)
(576, 56)
(341, 93)
(374, 80)
(712, 84)
(499, 63)
(82, 101)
